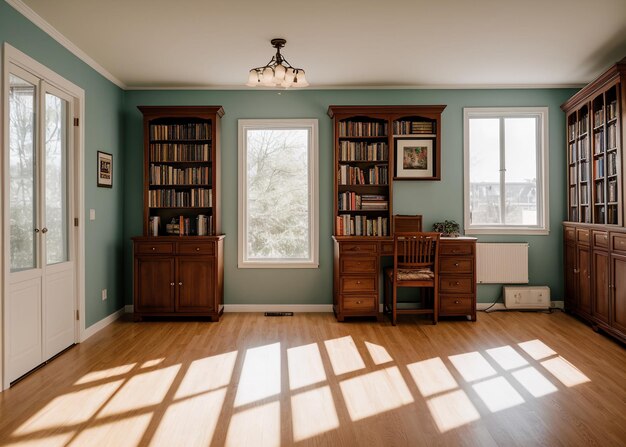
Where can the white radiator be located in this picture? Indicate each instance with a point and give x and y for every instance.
(528, 297)
(502, 263)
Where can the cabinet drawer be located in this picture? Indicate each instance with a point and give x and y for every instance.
(455, 305)
(386, 248)
(201, 248)
(582, 235)
(570, 234)
(359, 284)
(456, 248)
(358, 247)
(359, 303)
(456, 265)
(619, 242)
(456, 284)
(153, 247)
(358, 264)
(600, 239)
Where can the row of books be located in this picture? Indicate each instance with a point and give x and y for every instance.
(186, 131)
(612, 191)
(572, 152)
(584, 196)
(599, 192)
(361, 226)
(350, 175)
(201, 225)
(350, 201)
(598, 117)
(612, 136)
(573, 196)
(362, 129)
(413, 127)
(583, 127)
(362, 151)
(598, 167)
(612, 214)
(598, 142)
(167, 198)
(583, 171)
(573, 214)
(584, 148)
(611, 159)
(571, 131)
(169, 175)
(585, 215)
(180, 152)
(572, 175)
(612, 110)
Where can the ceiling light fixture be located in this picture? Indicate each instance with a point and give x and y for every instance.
(277, 72)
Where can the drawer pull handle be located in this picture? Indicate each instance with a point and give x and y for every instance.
(153, 248)
(456, 264)
(197, 248)
(359, 302)
(457, 302)
(456, 283)
(171, 284)
(358, 282)
(180, 283)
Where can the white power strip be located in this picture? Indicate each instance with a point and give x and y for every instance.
(529, 297)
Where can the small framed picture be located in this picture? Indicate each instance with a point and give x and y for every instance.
(414, 159)
(105, 169)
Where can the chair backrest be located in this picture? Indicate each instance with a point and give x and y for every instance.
(416, 250)
(403, 223)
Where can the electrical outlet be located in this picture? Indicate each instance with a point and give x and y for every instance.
(104, 294)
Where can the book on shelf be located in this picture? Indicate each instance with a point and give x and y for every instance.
(611, 159)
(600, 217)
(201, 225)
(171, 198)
(572, 152)
(598, 167)
(612, 110)
(571, 131)
(573, 196)
(612, 214)
(612, 191)
(573, 214)
(350, 175)
(414, 127)
(599, 192)
(167, 152)
(582, 125)
(598, 142)
(583, 171)
(363, 151)
(169, 175)
(611, 136)
(361, 226)
(351, 201)
(584, 148)
(598, 117)
(362, 129)
(584, 195)
(186, 131)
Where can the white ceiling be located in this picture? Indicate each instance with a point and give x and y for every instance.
(346, 43)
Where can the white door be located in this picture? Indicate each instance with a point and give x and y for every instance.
(40, 296)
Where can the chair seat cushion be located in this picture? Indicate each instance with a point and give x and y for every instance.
(415, 275)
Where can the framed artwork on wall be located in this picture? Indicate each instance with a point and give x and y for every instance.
(105, 169)
(414, 159)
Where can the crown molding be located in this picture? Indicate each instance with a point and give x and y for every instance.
(46, 27)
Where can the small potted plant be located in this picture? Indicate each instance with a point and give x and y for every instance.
(447, 228)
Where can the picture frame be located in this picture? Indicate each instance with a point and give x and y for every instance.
(415, 159)
(105, 170)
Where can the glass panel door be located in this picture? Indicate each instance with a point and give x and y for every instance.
(23, 186)
(56, 188)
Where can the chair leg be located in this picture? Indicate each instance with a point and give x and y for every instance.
(394, 304)
(435, 303)
(385, 294)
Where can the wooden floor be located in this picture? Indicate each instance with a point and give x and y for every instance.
(510, 379)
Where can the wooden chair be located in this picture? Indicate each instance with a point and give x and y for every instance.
(415, 264)
(405, 222)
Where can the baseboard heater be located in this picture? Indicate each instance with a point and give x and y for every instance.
(526, 297)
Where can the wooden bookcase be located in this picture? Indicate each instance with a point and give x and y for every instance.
(180, 272)
(594, 234)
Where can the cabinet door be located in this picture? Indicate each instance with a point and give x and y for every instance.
(601, 286)
(618, 280)
(154, 291)
(196, 285)
(570, 277)
(584, 279)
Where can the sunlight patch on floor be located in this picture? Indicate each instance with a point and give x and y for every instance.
(313, 413)
(207, 374)
(452, 410)
(153, 362)
(305, 366)
(472, 366)
(105, 374)
(564, 371)
(432, 377)
(260, 374)
(537, 349)
(70, 409)
(141, 390)
(200, 415)
(344, 356)
(258, 426)
(534, 382)
(126, 432)
(498, 394)
(47, 441)
(507, 357)
(378, 353)
(375, 392)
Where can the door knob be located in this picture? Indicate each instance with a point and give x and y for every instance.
(180, 283)
(44, 230)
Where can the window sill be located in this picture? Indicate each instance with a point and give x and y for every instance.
(508, 230)
(277, 265)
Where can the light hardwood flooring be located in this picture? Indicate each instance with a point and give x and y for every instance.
(510, 379)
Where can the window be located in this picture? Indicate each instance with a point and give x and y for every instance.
(506, 170)
(278, 193)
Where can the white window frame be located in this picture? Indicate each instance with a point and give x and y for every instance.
(313, 186)
(543, 220)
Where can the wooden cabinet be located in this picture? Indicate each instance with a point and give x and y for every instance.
(457, 277)
(175, 282)
(595, 276)
(179, 267)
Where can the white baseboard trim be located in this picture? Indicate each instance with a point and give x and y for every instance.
(278, 307)
(95, 328)
(501, 306)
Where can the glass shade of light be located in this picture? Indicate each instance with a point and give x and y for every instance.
(268, 75)
(300, 79)
(290, 75)
(253, 79)
(279, 73)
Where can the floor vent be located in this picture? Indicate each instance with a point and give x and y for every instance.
(279, 314)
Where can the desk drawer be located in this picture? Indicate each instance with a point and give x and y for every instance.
(456, 265)
(600, 239)
(456, 284)
(618, 241)
(358, 264)
(196, 248)
(570, 234)
(358, 284)
(456, 248)
(582, 235)
(455, 305)
(145, 248)
(358, 247)
(359, 303)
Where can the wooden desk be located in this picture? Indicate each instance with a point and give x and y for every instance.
(356, 276)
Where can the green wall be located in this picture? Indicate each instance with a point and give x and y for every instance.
(104, 130)
(434, 200)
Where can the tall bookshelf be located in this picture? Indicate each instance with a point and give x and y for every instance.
(366, 139)
(182, 169)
